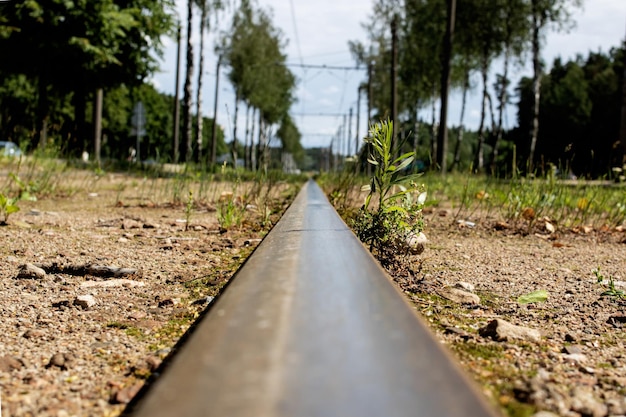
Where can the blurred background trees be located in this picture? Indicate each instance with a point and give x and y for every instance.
(57, 55)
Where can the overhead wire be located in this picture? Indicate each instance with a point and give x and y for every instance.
(297, 38)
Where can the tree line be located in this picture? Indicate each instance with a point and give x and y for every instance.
(62, 54)
(568, 116)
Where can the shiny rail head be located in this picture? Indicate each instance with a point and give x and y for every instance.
(311, 326)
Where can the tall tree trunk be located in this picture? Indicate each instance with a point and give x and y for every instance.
(502, 99)
(176, 133)
(235, 118)
(433, 136)
(537, 24)
(416, 128)
(199, 118)
(394, 89)
(247, 139)
(253, 154)
(442, 137)
(187, 131)
(214, 128)
(479, 155)
(97, 123)
(457, 149)
(77, 143)
(42, 112)
(622, 136)
(260, 161)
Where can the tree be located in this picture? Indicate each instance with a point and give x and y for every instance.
(187, 116)
(542, 13)
(76, 47)
(515, 37)
(206, 7)
(446, 56)
(258, 68)
(579, 114)
(289, 136)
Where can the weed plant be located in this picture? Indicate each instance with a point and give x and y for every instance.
(612, 291)
(8, 206)
(391, 224)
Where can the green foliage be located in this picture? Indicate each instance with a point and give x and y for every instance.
(8, 206)
(289, 136)
(392, 228)
(389, 181)
(258, 71)
(74, 48)
(230, 212)
(611, 291)
(231, 208)
(528, 202)
(579, 115)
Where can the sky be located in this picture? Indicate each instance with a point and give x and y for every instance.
(318, 33)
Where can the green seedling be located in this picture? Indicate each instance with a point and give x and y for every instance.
(188, 210)
(612, 291)
(8, 206)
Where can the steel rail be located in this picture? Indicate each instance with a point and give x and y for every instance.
(311, 326)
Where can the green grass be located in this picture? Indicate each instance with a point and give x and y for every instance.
(519, 202)
(525, 200)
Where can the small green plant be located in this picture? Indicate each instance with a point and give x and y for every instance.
(188, 210)
(392, 228)
(229, 211)
(230, 208)
(8, 206)
(612, 291)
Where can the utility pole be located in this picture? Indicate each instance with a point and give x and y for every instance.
(349, 137)
(623, 121)
(214, 130)
(177, 99)
(370, 93)
(442, 136)
(394, 87)
(358, 121)
(370, 69)
(344, 135)
(331, 159)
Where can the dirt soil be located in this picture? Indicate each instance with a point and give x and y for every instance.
(97, 287)
(114, 280)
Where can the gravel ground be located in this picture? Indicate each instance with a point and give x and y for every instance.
(96, 289)
(566, 356)
(77, 342)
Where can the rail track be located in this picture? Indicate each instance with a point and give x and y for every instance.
(311, 326)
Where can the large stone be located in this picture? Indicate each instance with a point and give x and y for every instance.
(85, 301)
(126, 394)
(458, 295)
(501, 330)
(30, 271)
(60, 360)
(9, 363)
